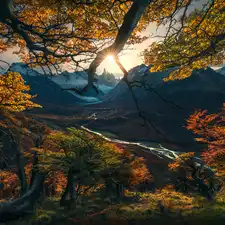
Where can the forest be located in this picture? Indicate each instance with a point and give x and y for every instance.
(79, 146)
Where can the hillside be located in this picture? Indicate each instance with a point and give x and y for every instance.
(50, 91)
(166, 105)
(221, 70)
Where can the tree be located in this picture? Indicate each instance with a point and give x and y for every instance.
(64, 30)
(13, 93)
(210, 130)
(192, 176)
(49, 33)
(197, 43)
(89, 161)
(54, 32)
(14, 98)
(80, 163)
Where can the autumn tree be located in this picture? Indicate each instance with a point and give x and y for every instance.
(198, 40)
(49, 33)
(89, 161)
(210, 130)
(205, 176)
(14, 94)
(193, 176)
(14, 97)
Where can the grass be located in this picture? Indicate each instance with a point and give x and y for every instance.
(95, 209)
(179, 208)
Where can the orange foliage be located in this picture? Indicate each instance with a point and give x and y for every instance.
(210, 129)
(182, 161)
(9, 183)
(13, 96)
(140, 173)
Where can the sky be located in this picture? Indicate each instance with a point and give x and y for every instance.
(132, 58)
(129, 58)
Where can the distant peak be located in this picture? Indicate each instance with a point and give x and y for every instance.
(18, 64)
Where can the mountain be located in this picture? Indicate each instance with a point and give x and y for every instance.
(221, 70)
(200, 83)
(107, 79)
(49, 90)
(104, 82)
(167, 104)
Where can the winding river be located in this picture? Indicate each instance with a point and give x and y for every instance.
(160, 151)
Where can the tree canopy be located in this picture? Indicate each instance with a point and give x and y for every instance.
(13, 93)
(49, 33)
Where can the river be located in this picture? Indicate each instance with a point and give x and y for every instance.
(159, 151)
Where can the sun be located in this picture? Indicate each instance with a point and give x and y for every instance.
(110, 58)
(110, 64)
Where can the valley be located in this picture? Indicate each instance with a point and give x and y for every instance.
(112, 112)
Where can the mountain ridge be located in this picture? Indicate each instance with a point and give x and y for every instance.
(167, 104)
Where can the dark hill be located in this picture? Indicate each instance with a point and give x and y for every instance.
(49, 93)
(205, 89)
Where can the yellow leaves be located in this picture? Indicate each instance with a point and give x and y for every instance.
(54, 23)
(8, 178)
(219, 4)
(13, 96)
(3, 46)
(181, 160)
(21, 43)
(196, 46)
(186, 29)
(160, 9)
(156, 68)
(181, 73)
(187, 156)
(199, 32)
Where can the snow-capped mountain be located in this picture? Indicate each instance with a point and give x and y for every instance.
(79, 80)
(51, 89)
(221, 70)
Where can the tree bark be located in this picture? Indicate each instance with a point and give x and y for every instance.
(21, 174)
(70, 189)
(131, 20)
(24, 205)
(34, 170)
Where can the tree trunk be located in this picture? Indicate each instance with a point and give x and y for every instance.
(24, 205)
(70, 189)
(131, 20)
(35, 169)
(21, 174)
